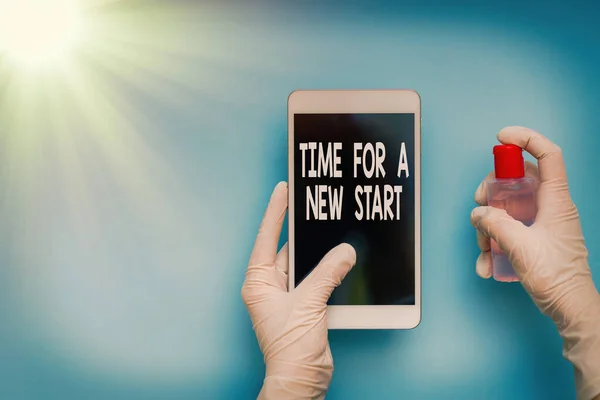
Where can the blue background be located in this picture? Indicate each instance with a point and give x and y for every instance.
(127, 223)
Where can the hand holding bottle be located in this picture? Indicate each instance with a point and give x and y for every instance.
(291, 327)
(549, 257)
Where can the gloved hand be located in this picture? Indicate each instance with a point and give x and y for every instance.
(291, 327)
(550, 257)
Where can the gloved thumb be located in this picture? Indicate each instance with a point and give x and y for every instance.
(496, 224)
(330, 272)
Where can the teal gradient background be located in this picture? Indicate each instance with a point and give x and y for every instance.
(147, 304)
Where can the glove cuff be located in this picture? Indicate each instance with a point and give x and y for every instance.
(581, 346)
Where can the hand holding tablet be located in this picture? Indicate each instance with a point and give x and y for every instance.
(291, 327)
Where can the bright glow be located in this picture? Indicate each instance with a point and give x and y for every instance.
(38, 32)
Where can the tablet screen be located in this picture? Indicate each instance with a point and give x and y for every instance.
(354, 182)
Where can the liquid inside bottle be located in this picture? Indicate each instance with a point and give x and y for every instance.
(518, 198)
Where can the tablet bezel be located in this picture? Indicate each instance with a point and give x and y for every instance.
(375, 102)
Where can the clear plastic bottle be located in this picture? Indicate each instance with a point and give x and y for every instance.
(512, 191)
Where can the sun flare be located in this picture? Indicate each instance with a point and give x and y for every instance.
(82, 86)
(35, 33)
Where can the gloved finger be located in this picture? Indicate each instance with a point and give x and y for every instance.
(531, 171)
(282, 261)
(498, 225)
(483, 266)
(275, 275)
(265, 246)
(548, 155)
(330, 272)
(481, 191)
(262, 280)
(483, 241)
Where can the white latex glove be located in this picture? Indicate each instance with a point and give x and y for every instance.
(550, 257)
(291, 327)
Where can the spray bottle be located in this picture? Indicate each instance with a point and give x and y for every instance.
(512, 191)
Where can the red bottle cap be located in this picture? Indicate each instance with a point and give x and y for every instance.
(508, 161)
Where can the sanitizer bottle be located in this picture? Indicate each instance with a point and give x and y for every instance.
(512, 191)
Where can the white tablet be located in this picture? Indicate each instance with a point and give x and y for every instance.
(354, 177)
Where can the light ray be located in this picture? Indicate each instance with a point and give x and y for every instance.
(68, 134)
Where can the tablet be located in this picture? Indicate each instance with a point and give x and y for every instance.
(354, 177)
